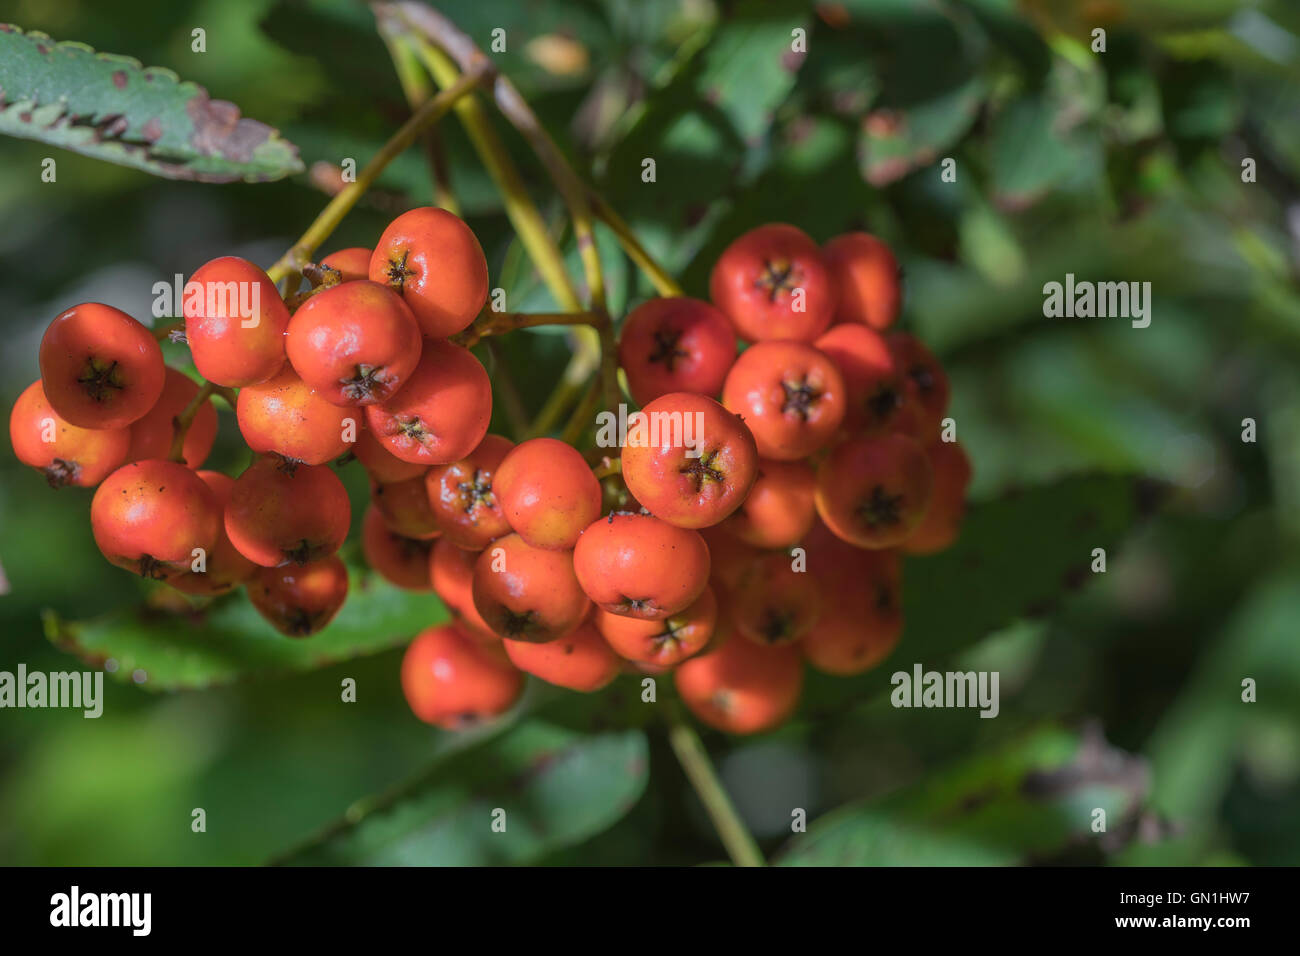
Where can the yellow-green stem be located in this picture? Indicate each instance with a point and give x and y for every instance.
(182, 422)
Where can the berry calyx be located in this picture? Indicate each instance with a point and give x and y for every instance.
(874, 492)
(100, 368)
(463, 497)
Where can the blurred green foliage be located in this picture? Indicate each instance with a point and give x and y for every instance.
(1122, 165)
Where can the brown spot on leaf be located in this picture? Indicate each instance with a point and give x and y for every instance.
(220, 131)
(119, 79)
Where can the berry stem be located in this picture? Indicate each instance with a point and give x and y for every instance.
(664, 283)
(418, 88)
(499, 323)
(608, 466)
(182, 422)
(735, 836)
(292, 262)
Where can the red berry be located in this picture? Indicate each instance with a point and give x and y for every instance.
(352, 263)
(406, 508)
(432, 259)
(689, 490)
(453, 682)
(100, 368)
(729, 555)
(675, 345)
(400, 561)
(441, 413)
(742, 687)
(287, 416)
(547, 493)
(225, 567)
(861, 605)
(773, 284)
(62, 452)
(873, 384)
(234, 322)
(790, 395)
(665, 642)
(874, 492)
(299, 600)
(581, 660)
(773, 603)
(281, 513)
(154, 518)
(640, 566)
(526, 593)
(451, 569)
(867, 277)
(926, 384)
(151, 436)
(942, 521)
(354, 343)
(381, 464)
(463, 497)
(779, 509)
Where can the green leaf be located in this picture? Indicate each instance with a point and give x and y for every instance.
(1016, 557)
(556, 788)
(1030, 152)
(1033, 798)
(111, 108)
(895, 141)
(228, 640)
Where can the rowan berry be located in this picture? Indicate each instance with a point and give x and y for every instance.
(861, 605)
(874, 390)
(151, 436)
(351, 264)
(779, 509)
(225, 568)
(400, 561)
(100, 368)
(640, 566)
(154, 518)
(300, 600)
(453, 682)
(234, 322)
(288, 417)
(354, 343)
(280, 512)
(867, 278)
(742, 687)
(62, 452)
(689, 460)
(675, 345)
(926, 384)
(774, 603)
(665, 642)
(790, 395)
(942, 521)
(526, 593)
(432, 259)
(729, 556)
(462, 495)
(547, 493)
(380, 464)
(451, 571)
(873, 492)
(772, 283)
(581, 660)
(441, 413)
(406, 509)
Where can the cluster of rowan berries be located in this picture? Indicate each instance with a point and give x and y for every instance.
(729, 542)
